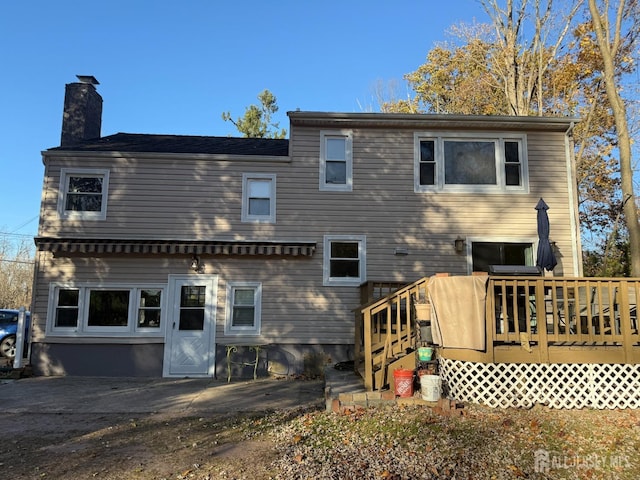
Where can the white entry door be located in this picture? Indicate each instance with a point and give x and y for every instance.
(190, 342)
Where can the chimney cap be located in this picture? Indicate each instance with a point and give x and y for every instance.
(88, 79)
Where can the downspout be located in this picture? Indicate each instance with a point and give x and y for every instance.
(572, 189)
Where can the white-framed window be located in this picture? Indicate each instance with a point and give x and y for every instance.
(336, 160)
(83, 193)
(244, 308)
(345, 260)
(108, 310)
(258, 197)
(470, 162)
(149, 309)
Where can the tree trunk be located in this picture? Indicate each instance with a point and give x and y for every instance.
(622, 128)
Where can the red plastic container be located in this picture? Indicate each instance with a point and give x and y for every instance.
(403, 382)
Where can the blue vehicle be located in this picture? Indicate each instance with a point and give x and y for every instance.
(8, 329)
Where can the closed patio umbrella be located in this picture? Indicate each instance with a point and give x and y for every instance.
(546, 258)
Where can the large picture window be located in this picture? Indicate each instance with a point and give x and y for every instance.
(344, 261)
(470, 163)
(336, 160)
(244, 300)
(83, 193)
(117, 311)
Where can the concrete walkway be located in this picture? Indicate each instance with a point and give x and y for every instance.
(149, 395)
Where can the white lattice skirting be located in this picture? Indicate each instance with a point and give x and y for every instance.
(558, 385)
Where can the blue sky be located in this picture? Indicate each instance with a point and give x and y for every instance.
(174, 66)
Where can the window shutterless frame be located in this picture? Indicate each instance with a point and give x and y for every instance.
(244, 308)
(107, 310)
(344, 260)
(336, 160)
(470, 162)
(258, 198)
(83, 193)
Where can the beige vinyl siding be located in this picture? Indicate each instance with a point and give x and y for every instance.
(295, 308)
(200, 199)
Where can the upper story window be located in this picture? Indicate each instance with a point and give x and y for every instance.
(244, 300)
(470, 163)
(83, 193)
(110, 311)
(336, 160)
(345, 260)
(258, 197)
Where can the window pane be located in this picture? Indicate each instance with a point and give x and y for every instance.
(149, 311)
(427, 163)
(244, 296)
(85, 185)
(516, 253)
(260, 188)
(67, 309)
(470, 163)
(336, 172)
(500, 253)
(192, 296)
(427, 173)
(344, 249)
(345, 268)
(84, 194)
(191, 319)
(150, 298)
(427, 149)
(259, 206)
(511, 152)
(83, 202)
(148, 318)
(68, 298)
(512, 174)
(243, 316)
(108, 308)
(66, 317)
(336, 149)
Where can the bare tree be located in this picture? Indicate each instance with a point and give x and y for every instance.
(16, 273)
(521, 68)
(609, 37)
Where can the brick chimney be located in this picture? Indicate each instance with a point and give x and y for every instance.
(82, 116)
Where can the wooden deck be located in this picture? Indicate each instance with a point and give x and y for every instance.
(528, 320)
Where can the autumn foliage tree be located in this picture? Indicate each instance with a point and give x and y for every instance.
(538, 57)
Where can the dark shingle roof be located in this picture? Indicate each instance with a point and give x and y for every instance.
(151, 143)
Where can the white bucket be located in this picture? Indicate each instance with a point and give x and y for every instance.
(430, 387)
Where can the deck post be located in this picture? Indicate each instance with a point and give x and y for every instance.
(490, 322)
(541, 323)
(625, 321)
(368, 354)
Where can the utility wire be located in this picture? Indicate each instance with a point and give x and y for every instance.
(25, 223)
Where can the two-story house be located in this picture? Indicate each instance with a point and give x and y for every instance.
(157, 252)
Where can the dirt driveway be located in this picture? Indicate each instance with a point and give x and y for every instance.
(69, 427)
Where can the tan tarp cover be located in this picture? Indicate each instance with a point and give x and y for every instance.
(459, 307)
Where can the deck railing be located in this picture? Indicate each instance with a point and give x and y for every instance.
(560, 319)
(384, 328)
(528, 320)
